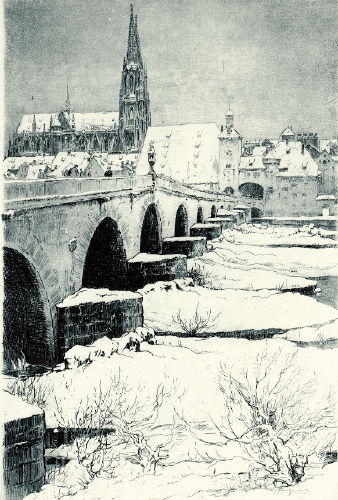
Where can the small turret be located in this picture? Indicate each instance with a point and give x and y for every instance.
(229, 120)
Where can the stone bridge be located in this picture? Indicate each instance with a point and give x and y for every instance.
(64, 234)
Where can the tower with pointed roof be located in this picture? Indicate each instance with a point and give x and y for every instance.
(134, 108)
(67, 103)
(230, 150)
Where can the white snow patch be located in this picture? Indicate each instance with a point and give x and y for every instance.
(93, 295)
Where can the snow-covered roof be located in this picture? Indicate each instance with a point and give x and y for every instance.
(280, 149)
(251, 163)
(14, 162)
(258, 151)
(297, 164)
(82, 121)
(288, 132)
(325, 197)
(64, 161)
(187, 153)
(327, 144)
(101, 120)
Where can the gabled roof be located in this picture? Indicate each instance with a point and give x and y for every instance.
(187, 153)
(252, 163)
(288, 132)
(297, 164)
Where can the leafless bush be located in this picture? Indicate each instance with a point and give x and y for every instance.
(270, 411)
(199, 275)
(32, 390)
(196, 323)
(118, 416)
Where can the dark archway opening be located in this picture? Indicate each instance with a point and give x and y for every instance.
(256, 213)
(181, 222)
(251, 190)
(26, 327)
(106, 264)
(229, 191)
(200, 216)
(213, 212)
(151, 241)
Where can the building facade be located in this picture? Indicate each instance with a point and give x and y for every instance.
(112, 132)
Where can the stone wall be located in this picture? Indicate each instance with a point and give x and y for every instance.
(91, 314)
(23, 458)
(146, 268)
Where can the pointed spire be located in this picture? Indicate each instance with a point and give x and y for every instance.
(133, 50)
(34, 124)
(67, 104)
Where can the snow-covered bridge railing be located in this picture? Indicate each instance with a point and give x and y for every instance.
(49, 190)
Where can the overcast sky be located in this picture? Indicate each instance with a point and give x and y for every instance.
(275, 58)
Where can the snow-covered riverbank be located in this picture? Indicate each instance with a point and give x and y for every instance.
(242, 290)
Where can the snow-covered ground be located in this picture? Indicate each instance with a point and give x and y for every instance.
(190, 370)
(244, 290)
(229, 310)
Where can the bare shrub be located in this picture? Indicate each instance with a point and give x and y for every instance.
(196, 323)
(116, 416)
(199, 275)
(269, 411)
(32, 390)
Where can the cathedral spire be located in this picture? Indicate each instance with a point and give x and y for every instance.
(67, 104)
(133, 49)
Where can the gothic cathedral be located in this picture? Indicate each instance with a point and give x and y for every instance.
(112, 132)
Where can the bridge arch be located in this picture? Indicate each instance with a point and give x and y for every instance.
(181, 221)
(251, 190)
(105, 264)
(151, 231)
(200, 215)
(27, 317)
(213, 212)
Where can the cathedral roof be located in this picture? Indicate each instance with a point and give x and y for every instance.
(83, 121)
(187, 153)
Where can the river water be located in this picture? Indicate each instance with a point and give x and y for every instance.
(329, 290)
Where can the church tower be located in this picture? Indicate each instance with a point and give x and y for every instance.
(134, 109)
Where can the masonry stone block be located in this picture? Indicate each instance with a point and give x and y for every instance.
(189, 246)
(148, 268)
(23, 451)
(90, 314)
(209, 231)
(225, 222)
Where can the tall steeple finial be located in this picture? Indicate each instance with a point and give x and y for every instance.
(133, 50)
(67, 104)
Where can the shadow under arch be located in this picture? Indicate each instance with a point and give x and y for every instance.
(106, 263)
(151, 232)
(251, 190)
(181, 221)
(28, 326)
(200, 215)
(256, 213)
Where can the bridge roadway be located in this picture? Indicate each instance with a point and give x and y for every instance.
(59, 233)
